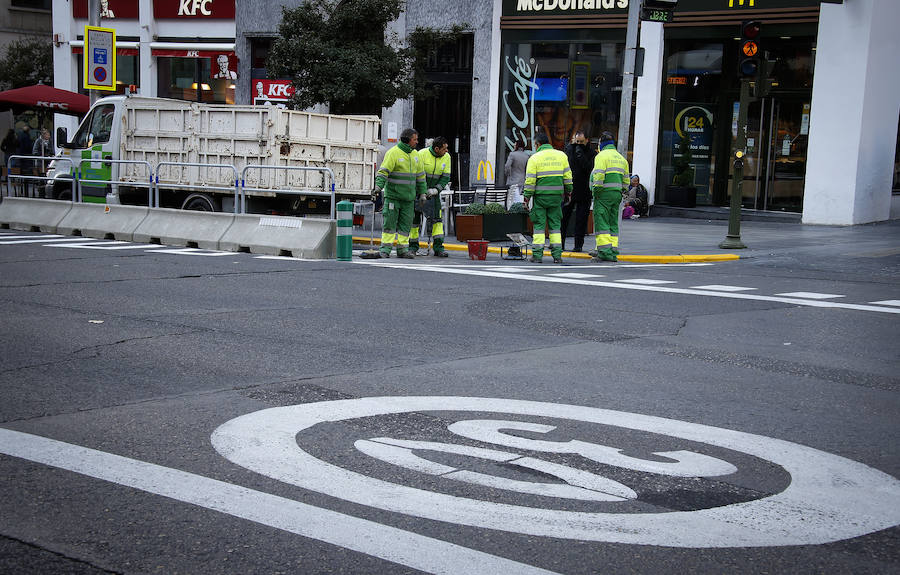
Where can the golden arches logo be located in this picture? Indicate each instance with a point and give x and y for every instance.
(484, 167)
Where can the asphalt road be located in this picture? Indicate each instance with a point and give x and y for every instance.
(185, 411)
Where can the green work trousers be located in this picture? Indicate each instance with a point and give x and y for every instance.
(546, 214)
(606, 221)
(398, 215)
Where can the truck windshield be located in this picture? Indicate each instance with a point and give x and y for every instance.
(98, 124)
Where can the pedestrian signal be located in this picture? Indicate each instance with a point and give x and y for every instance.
(748, 59)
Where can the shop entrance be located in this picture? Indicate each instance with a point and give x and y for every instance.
(775, 166)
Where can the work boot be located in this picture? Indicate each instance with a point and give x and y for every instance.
(535, 260)
(384, 255)
(557, 260)
(441, 254)
(593, 253)
(407, 255)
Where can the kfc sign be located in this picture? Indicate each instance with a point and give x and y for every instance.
(179, 9)
(271, 91)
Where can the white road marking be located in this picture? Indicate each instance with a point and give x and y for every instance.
(829, 498)
(646, 281)
(577, 276)
(810, 295)
(660, 289)
(192, 252)
(42, 240)
(716, 287)
(895, 302)
(404, 547)
(28, 237)
(108, 245)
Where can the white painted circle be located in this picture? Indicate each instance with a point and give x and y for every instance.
(830, 498)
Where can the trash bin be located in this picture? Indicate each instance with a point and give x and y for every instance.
(478, 249)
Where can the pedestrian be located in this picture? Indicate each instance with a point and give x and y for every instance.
(23, 148)
(637, 197)
(436, 162)
(581, 160)
(9, 145)
(402, 179)
(547, 179)
(43, 147)
(514, 169)
(609, 181)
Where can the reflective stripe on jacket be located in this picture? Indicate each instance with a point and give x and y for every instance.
(401, 175)
(610, 171)
(437, 170)
(547, 172)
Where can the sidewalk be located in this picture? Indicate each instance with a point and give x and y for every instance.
(672, 240)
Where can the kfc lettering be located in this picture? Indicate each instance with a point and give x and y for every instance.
(275, 90)
(184, 9)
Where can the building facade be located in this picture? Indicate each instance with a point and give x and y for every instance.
(822, 143)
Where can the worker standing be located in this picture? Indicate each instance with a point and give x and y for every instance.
(402, 178)
(547, 179)
(609, 181)
(436, 163)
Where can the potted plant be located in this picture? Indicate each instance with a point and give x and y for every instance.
(468, 224)
(682, 192)
(497, 222)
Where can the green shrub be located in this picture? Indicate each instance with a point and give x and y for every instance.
(518, 208)
(494, 208)
(475, 209)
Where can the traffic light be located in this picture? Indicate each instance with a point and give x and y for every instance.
(750, 49)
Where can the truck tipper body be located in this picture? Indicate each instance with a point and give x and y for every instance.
(174, 136)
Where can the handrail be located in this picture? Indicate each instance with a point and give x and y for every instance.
(238, 191)
(149, 183)
(48, 159)
(287, 191)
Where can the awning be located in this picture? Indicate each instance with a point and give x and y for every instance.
(45, 98)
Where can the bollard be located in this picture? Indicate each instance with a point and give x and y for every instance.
(344, 231)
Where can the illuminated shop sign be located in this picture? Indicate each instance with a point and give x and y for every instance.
(524, 7)
(182, 9)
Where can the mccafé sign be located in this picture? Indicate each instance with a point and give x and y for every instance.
(190, 9)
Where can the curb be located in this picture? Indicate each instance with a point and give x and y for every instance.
(656, 259)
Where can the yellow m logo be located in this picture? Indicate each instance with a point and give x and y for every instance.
(741, 3)
(485, 166)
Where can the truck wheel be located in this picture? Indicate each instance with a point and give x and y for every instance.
(199, 203)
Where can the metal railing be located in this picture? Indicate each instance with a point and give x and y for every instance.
(24, 178)
(327, 171)
(81, 181)
(237, 188)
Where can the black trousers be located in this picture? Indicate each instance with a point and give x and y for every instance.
(581, 208)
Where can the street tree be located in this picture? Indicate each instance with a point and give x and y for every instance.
(25, 63)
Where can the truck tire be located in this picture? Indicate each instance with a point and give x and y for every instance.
(199, 203)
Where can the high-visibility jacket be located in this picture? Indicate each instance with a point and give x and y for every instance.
(547, 172)
(610, 171)
(401, 174)
(437, 170)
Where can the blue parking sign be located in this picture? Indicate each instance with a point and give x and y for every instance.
(99, 55)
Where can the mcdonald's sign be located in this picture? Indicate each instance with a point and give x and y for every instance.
(485, 166)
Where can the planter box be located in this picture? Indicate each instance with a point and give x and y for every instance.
(468, 227)
(496, 226)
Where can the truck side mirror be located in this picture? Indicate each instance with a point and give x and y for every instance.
(62, 137)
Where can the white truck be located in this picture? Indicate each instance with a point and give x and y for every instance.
(171, 135)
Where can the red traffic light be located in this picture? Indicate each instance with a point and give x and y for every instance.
(750, 30)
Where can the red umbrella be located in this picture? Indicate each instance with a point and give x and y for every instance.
(45, 99)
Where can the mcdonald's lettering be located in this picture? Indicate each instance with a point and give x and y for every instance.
(484, 167)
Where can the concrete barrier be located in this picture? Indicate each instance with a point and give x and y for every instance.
(103, 221)
(310, 238)
(183, 228)
(32, 214)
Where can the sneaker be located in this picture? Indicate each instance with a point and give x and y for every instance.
(407, 255)
(634, 216)
(441, 254)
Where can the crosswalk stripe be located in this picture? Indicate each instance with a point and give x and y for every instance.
(893, 302)
(577, 276)
(112, 245)
(646, 282)
(5, 237)
(810, 295)
(42, 240)
(716, 287)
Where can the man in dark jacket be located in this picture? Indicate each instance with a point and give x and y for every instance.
(581, 160)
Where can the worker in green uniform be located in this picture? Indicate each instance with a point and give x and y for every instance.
(547, 179)
(436, 162)
(609, 181)
(402, 178)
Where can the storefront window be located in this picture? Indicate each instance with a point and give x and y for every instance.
(191, 79)
(558, 88)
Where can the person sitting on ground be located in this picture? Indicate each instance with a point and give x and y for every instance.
(637, 198)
